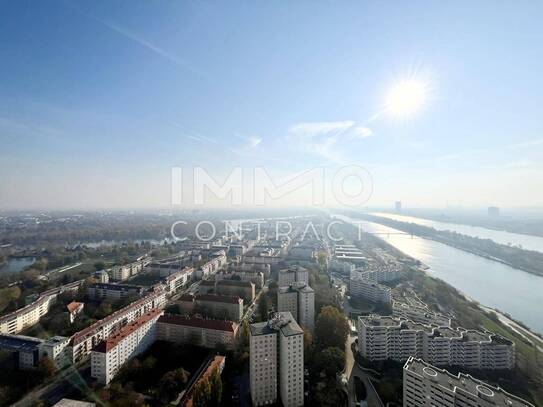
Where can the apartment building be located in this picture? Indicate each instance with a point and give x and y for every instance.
(25, 350)
(174, 282)
(294, 274)
(216, 263)
(243, 289)
(112, 353)
(277, 361)
(379, 273)
(56, 349)
(85, 340)
(427, 386)
(299, 300)
(113, 292)
(369, 290)
(124, 272)
(381, 338)
(255, 277)
(25, 317)
(419, 313)
(213, 306)
(207, 333)
(263, 268)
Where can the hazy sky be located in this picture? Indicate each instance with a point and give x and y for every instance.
(98, 100)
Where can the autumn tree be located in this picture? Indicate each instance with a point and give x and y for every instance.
(331, 328)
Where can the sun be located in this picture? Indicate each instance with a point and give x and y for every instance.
(406, 98)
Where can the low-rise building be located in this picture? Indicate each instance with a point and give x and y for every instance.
(381, 338)
(213, 306)
(111, 354)
(427, 386)
(74, 309)
(208, 333)
(255, 277)
(243, 289)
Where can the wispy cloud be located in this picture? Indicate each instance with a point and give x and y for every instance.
(132, 36)
(325, 138)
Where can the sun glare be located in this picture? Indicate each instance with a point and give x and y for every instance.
(407, 97)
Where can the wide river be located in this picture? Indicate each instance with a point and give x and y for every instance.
(491, 283)
(527, 242)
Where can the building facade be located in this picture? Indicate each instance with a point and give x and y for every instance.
(109, 356)
(370, 290)
(214, 306)
(299, 300)
(381, 338)
(294, 274)
(113, 292)
(277, 361)
(243, 289)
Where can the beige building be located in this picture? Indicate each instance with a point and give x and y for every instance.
(214, 306)
(243, 289)
(427, 386)
(294, 274)
(277, 361)
(207, 333)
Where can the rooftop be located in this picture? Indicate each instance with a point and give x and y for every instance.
(465, 382)
(108, 344)
(236, 283)
(19, 342)
(282, 322)
(214, 324)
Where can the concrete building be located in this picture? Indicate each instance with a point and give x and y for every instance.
(419, 313)
(111, 354)
(294, 274)
(124, 272)
(369, 290)
(24, 348)
(243, 289)
(207, 333)
(73, 403)
(299, 300)
(427, 386)
(277, 361)
(102, 276)
(29, 315)
(381, 338)
(255, 277)
(85, 340)
(174, 282)
(212, 306)
(113, 292)
(56, 349)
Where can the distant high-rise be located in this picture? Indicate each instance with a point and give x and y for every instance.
(398, 206)
(493, 211)
(277, 361)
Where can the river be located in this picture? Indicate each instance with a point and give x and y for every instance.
(489, 282)
(15, 264)
(527, 242)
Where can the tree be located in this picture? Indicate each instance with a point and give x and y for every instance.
(171, 384)
(216, 389)
(331, 361)
(201, 394)
(99, 265)
(331, 328)
(46, 367)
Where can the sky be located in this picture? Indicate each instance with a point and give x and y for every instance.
(99, 100)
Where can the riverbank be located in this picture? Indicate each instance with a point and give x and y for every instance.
(514, 257)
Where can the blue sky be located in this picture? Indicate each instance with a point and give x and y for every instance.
(98, 100)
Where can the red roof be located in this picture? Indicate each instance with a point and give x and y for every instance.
(215, 324)
(74, 306)
(108, 344)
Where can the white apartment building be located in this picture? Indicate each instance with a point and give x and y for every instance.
(294, 274)
(369, 290)
(56, 349)
(381, 338)
(427, 386)
(299, 300)
(207, 333)
(124, 272)
(419, 313)
(174, 282)
(277, 361)
(255, 277)
(379, 273)
(111, 354)
(85, 340)
(29, 315)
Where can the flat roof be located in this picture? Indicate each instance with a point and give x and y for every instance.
(19, 342)
(465, 383)
(214, 324)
